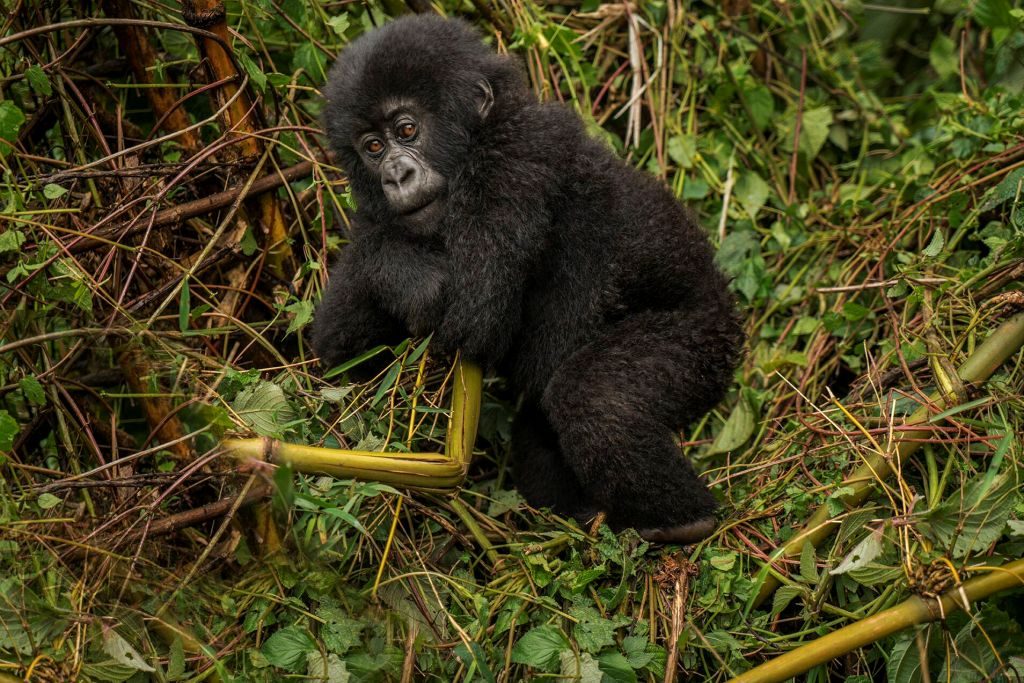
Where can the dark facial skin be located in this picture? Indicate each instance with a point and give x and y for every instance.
(394, 150)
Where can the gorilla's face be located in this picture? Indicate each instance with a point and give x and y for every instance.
(396, 150)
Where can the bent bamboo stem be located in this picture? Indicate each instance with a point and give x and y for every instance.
(1006, 340)
(916, 610)
(428, 471)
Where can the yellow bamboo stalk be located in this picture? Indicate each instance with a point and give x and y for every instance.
(911, 612)
(1006, 340)
(429, 471)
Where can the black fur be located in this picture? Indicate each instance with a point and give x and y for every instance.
(555, 263)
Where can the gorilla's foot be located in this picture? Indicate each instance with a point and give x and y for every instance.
(683, 534)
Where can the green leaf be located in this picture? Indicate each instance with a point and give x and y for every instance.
(616, 667)
(584, 669)
(264, 408)
(993, 13)
(783, 596)
(808, 568)
(253, 70)
(814, 127)
(682, 149)
(176, 660)
(33, 390)
(592, 632)
(724, 562)
(302, 314)
(184, 306)
(121, 651)
(52, 191)
(339, 24)
(11, 119)
(762, 105)
(38, 80)
(47, 501)
(1008, 188)
(738, 428)
(862, 554)
(11, 240)
(541, 647)
(934, 247)
(904, 664)
(942, 56)
(8, 430)
(287, 648)
(975, 518)
(752, 192)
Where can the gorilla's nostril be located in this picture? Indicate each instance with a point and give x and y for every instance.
(400, 173)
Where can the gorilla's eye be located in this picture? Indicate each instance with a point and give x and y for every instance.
(374, 146)
(407, 130)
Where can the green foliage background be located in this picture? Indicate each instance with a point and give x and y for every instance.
(860, 167)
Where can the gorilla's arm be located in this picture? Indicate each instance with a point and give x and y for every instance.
(410, 278)
(348, 321)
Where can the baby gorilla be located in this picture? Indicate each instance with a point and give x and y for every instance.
(498, 225)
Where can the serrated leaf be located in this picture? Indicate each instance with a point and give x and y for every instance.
(38, 80)
(934, 247)
(287, 648)
(783, 596)
(1008, 188)
(541, 647)
(302, 314)
(584, 669)
(33, 390)
(808, 570)
(724, 562)
(264, 408)
(904, 663)
(974, 519)
(339, 24)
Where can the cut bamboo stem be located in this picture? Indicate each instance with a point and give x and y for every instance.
(1006, 340)
(426, 471)
(916, 610)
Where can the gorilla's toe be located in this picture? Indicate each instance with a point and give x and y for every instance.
(683, 534)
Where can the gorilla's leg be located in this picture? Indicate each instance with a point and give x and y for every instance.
(541, 475)
(616, 405)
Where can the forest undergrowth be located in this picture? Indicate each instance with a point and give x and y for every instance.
(167, 212)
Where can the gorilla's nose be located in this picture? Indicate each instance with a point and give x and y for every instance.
(399, 174)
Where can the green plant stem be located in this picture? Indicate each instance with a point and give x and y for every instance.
(1006, 340)
(915, 610)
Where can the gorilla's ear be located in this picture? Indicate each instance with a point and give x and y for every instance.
(485, 98)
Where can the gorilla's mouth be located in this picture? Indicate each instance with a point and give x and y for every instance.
(421, 209)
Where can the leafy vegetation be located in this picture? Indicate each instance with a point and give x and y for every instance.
(168, 210)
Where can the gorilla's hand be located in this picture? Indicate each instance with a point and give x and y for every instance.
(348, 322)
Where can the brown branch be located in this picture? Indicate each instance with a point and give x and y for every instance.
(198, 207)
(141, 57)
(240, 120)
